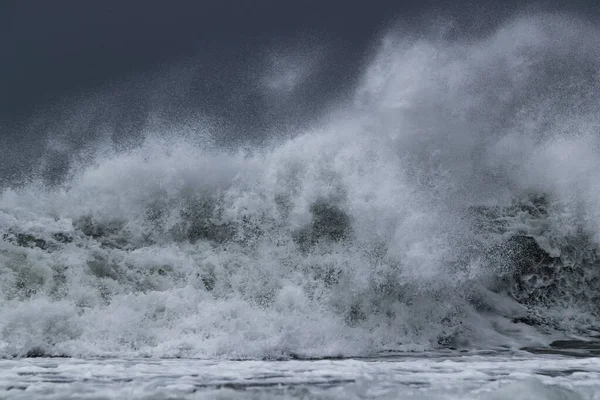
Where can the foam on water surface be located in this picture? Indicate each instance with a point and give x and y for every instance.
(427, 376)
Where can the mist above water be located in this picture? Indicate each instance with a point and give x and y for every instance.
(451, 199)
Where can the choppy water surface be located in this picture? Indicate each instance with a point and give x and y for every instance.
(451, 200)
(424, 376)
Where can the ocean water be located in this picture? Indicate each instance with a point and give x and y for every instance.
(435, 234)
(422, 376)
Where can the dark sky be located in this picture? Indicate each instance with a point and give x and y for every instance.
(57, 50)
(52, 48)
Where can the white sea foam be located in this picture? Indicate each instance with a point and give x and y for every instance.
(387, 225)
(444, 377)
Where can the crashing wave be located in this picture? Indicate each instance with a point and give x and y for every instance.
(452, 203)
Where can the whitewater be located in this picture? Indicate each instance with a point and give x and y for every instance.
(434, 234)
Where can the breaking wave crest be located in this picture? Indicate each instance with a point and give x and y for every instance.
(454, 201)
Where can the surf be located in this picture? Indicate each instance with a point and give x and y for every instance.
(451, 200)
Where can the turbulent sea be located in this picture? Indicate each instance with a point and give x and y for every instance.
(436, 234)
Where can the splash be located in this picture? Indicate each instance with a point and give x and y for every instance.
(452, 201)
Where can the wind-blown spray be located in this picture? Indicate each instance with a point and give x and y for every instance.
(454, 200)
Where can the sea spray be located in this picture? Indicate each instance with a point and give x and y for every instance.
(451, 202)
